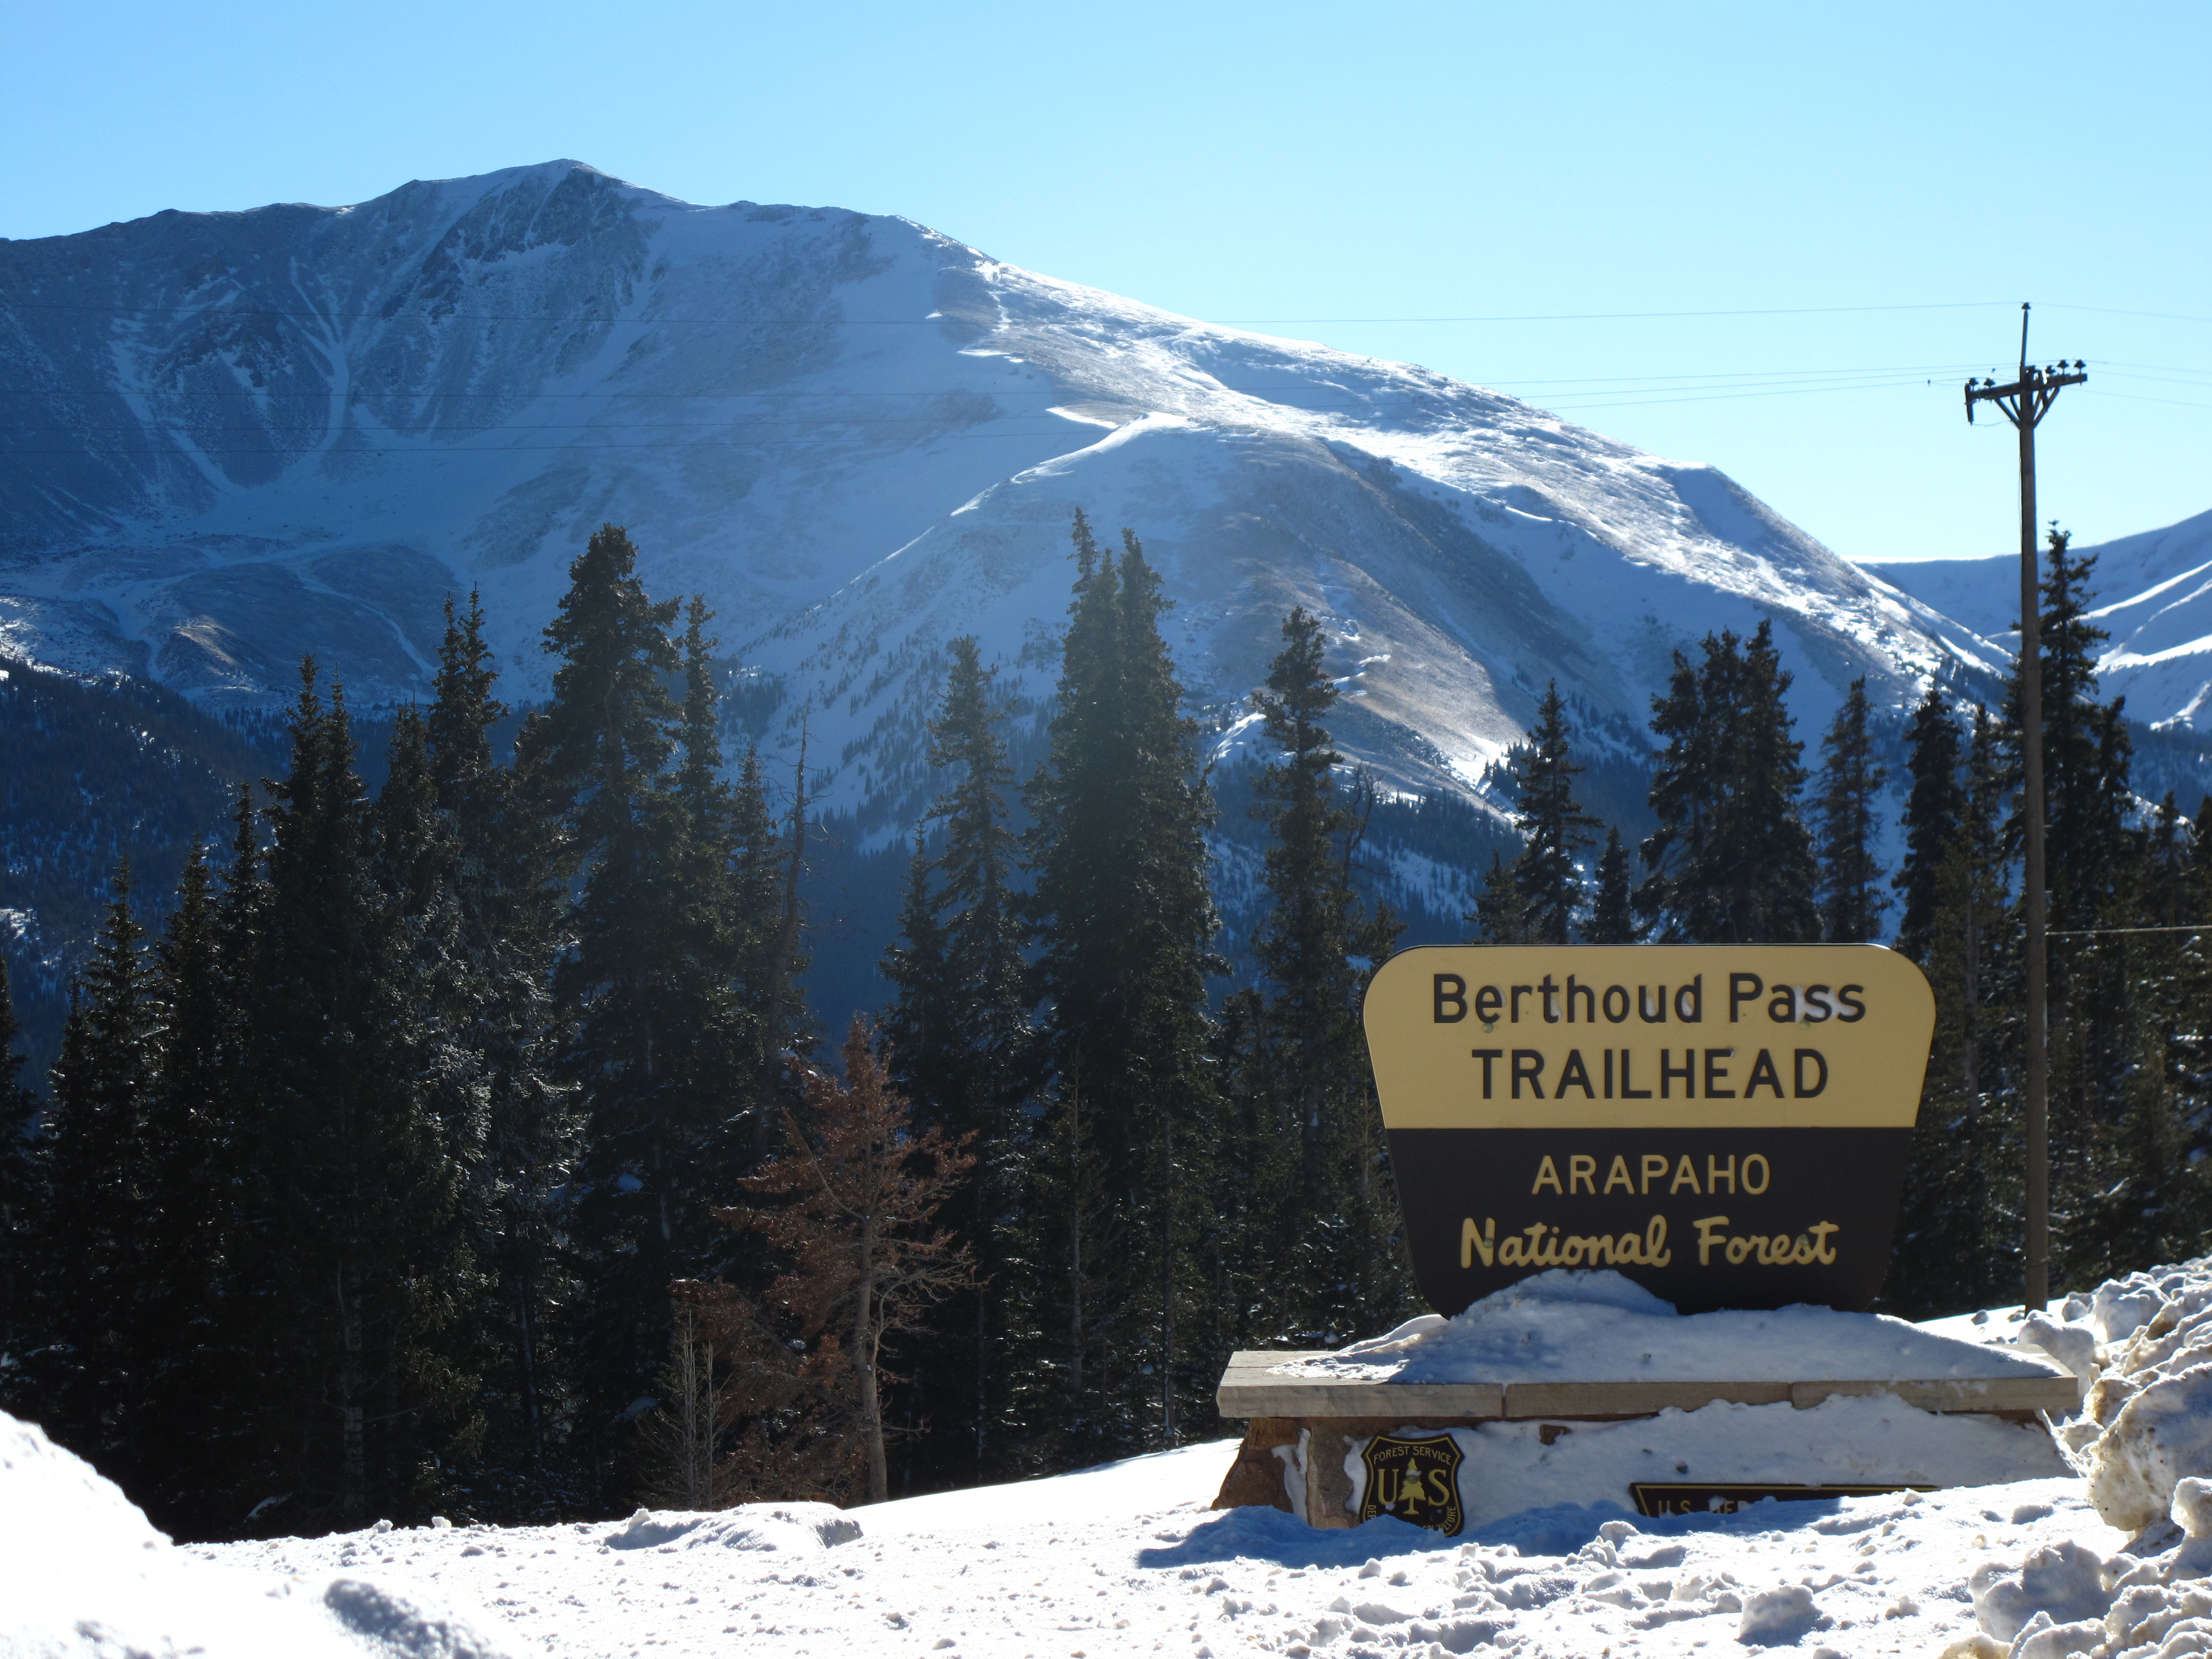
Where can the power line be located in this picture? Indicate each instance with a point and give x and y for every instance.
(1622, 316)
(216, 309)
(2113, 311)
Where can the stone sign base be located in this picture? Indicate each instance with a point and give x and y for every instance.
(1334, 1452)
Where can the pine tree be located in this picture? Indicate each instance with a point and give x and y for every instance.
(1613, 912)
(1117, 844)
(605, 738)
(360, 1182)
(1317, 947)
(199, 1376)
(1545, 877)
(2153, 1204)
(1850, 785)
(958, 1041)
(1959, 1229)
(506, 881)
(2089, 869)
(1503, 914)
(652, 983)
(434, 988)
(94, 1264)
(1935, 812)
(21, 1211)
(1731, 860)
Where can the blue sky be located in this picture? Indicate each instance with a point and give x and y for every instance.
(1867, 191)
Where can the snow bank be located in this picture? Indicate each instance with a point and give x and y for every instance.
(83, 1575)
(1568, 1325)
(798, 1529)
(2141, 1603)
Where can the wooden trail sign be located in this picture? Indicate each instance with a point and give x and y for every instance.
(1726, 1125)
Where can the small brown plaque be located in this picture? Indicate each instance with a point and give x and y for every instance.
(1725, 1497)
(1414, 1477)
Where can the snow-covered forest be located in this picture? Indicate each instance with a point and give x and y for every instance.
(466, 1147)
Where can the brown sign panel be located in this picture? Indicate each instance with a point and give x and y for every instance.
(1414, 1477)
(1727, 1125)
(1726, 1497)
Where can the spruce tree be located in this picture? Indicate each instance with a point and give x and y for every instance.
(959, 1042)
(1851, 786)
(2151, 1205)
(2088, 871)
(192, 1333)
(1317, 946)
(359, 1184)
(1959, 1227)
(605, 737)
(1125, 917)
(1613, 911)
(21, 1212)
(505, 879)
(1731, 860)
(1935, 812)
(1502, 913)
(1555, 829)
(651, 984)
(94, 1264)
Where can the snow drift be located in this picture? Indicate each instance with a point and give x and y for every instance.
(83, 1575)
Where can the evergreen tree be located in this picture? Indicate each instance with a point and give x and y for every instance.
(505, 876)
(1731, 860)
(1546, 880)
(360, 1185)
(717, 1030)
(1935, 813)
(959, 1040)
(1613, 912)
(93, 1265)
(604, 739)
(199, 1378)
(652, 984)
(21, 1211)
(1850, 785)
(1958, 1230)
(1317, 946)
(2152, 1204)
(1117, 843)
(1503, 914)
(2088, 866)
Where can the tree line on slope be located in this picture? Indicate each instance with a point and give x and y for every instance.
(1750, 846)
(463, 1148)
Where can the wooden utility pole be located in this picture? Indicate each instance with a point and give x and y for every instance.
(2024, 403)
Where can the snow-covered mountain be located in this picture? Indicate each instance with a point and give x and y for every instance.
(2151, 592)
(234, 438)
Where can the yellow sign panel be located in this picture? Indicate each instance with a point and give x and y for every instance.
(1627, 1036)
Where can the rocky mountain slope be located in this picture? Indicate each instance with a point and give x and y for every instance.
(239, 437)
(232, 439)
(2152, 593)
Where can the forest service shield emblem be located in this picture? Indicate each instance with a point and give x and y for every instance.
(1415, 1478)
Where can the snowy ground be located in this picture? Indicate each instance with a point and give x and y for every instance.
(1128, 1560)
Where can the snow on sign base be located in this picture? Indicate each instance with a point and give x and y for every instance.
(1583, 1387)
(1728, 1126)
